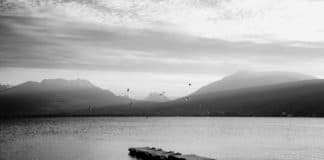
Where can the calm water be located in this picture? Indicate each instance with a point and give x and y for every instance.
(109, 138)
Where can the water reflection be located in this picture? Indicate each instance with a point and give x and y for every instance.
(110, 138)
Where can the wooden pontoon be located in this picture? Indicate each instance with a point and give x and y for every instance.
(148, 153)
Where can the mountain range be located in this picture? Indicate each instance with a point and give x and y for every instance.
(246, 79)
(240, 94)
(55, 96)
(302, 98)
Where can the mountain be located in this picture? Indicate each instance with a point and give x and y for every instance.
(55, 96)
(79, 97)
(3, 87)
(246, 79)
(156, 97)
(302, 98)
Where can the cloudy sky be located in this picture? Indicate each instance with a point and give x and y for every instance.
(157, 45)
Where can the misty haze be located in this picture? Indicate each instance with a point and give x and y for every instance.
(161, 79)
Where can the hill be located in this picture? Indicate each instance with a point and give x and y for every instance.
(55, 96)
(302, 98)
(299, 98)
(246, 79)
(156, 97)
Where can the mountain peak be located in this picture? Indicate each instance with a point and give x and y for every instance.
(52, 96)
(270, 74)
(77, 83)
(246, 79)
(53, 85)
(156, 97)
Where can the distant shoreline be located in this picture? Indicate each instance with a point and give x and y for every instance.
(154, 116)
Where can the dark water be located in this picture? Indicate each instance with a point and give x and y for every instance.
(109, 138)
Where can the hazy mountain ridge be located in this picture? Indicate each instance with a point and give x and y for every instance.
(246, 79)
(302, 98)
(4, 87)
(156, 97)
(81, 97)
(56, 96)
(52, 85)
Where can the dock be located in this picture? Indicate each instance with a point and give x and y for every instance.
(151, 153)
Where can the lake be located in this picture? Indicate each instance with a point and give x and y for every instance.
(102, 138)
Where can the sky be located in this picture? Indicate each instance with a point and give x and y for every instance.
(157, 45)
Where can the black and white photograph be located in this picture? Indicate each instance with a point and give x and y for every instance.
(161, 80)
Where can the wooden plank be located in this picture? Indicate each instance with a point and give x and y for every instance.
(147, 153)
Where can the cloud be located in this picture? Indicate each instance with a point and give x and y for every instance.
(285, 20)
(38, 42)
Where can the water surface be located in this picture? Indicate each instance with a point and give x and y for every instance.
(109, 138)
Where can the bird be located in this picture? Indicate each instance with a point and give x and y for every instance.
(90, 109)
(127, 89)
(189, 84)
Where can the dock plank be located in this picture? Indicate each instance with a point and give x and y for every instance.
(148, 153)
